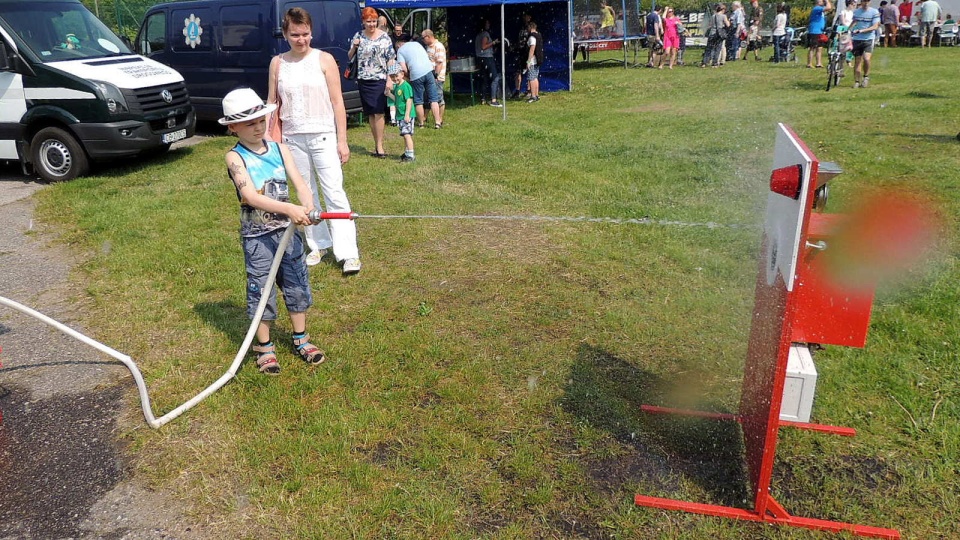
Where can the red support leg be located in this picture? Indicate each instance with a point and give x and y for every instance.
(833, 430)
(776, 515)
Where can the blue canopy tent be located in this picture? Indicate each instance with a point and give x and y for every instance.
(553, 18)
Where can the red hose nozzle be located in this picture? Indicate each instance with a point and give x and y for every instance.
(317, 216)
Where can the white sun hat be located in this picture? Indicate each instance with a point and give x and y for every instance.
(243, 104)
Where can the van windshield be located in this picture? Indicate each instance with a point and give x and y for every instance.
(58, 31)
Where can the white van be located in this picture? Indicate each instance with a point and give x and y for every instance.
(71, 91)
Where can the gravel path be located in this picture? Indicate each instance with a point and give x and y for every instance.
(63, 471)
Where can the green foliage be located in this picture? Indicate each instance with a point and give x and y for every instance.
(485, 377)
(122, 16)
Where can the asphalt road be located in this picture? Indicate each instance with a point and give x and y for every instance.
(63, 471)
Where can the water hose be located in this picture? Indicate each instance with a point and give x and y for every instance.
(152, 420)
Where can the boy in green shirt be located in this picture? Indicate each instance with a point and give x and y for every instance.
(402, 94)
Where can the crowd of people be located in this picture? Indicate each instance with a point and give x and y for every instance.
(299, 134)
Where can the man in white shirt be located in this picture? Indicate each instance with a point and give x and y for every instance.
(930, 15)
(438, 55)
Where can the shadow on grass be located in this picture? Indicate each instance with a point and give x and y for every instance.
(932, 137)
(605, 63)
(819, 85)
(606, 392)
(228, 317)
(119, 168)
(925, 95)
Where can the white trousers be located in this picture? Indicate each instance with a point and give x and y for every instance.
(316, 157)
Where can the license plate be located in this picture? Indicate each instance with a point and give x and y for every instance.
(168, 138)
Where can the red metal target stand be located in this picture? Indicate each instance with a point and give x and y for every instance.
(790, 299)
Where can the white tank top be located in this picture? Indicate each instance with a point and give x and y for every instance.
(305, 99)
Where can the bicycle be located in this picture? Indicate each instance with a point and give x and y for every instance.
(837, 55)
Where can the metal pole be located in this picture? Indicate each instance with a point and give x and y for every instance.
(623, 15)
(570, 46)
(503, 62)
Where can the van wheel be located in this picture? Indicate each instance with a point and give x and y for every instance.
(57, 156)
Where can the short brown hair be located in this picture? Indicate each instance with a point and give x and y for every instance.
(296, 15)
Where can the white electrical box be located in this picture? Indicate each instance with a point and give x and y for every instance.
(799, 387)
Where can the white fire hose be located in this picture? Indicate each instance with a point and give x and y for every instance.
(152, 420)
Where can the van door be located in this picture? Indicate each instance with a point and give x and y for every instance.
(417, 21)
(13, 105)
(246, 46)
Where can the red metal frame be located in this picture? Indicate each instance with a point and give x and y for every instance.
(775, 514)
(822, 428)
(776, 309)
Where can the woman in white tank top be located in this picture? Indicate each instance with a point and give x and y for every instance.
(315, 128)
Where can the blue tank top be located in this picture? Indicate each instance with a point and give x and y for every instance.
(269, 178)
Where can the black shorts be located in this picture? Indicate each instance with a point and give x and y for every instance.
(862, 46)
(372, 98)
(813, 40)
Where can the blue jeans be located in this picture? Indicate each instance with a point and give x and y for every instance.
(733, 45)
(779, 48)
(490, 72)
(711, 55)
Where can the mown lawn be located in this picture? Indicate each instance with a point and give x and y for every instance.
(485, 376)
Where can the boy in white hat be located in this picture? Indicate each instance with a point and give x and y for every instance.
(259, 172)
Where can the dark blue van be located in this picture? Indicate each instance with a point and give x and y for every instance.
(218, 45)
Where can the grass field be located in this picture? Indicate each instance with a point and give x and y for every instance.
(485, 377)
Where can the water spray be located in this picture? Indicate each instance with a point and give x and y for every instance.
(316, 216)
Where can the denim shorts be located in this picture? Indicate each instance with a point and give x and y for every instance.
(533, 72)
(258, 253)
(425, 89)
(440, 92)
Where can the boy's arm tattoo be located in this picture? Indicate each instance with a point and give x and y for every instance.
(238, 174)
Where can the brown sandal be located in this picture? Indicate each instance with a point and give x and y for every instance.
(267, 359)
(308, 352)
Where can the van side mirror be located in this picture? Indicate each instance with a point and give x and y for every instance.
(10, 60)
(4, 60)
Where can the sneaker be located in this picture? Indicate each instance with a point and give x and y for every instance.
(352, 266)
(515, 94)
(315, 257)
(533, 99)
(864, 82)
(406, 158)
(856, 84)
(496, 104)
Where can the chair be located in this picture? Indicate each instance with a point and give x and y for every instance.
(914, 39)
(948, 34)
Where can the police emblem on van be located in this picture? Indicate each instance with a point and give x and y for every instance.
(167, 96)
